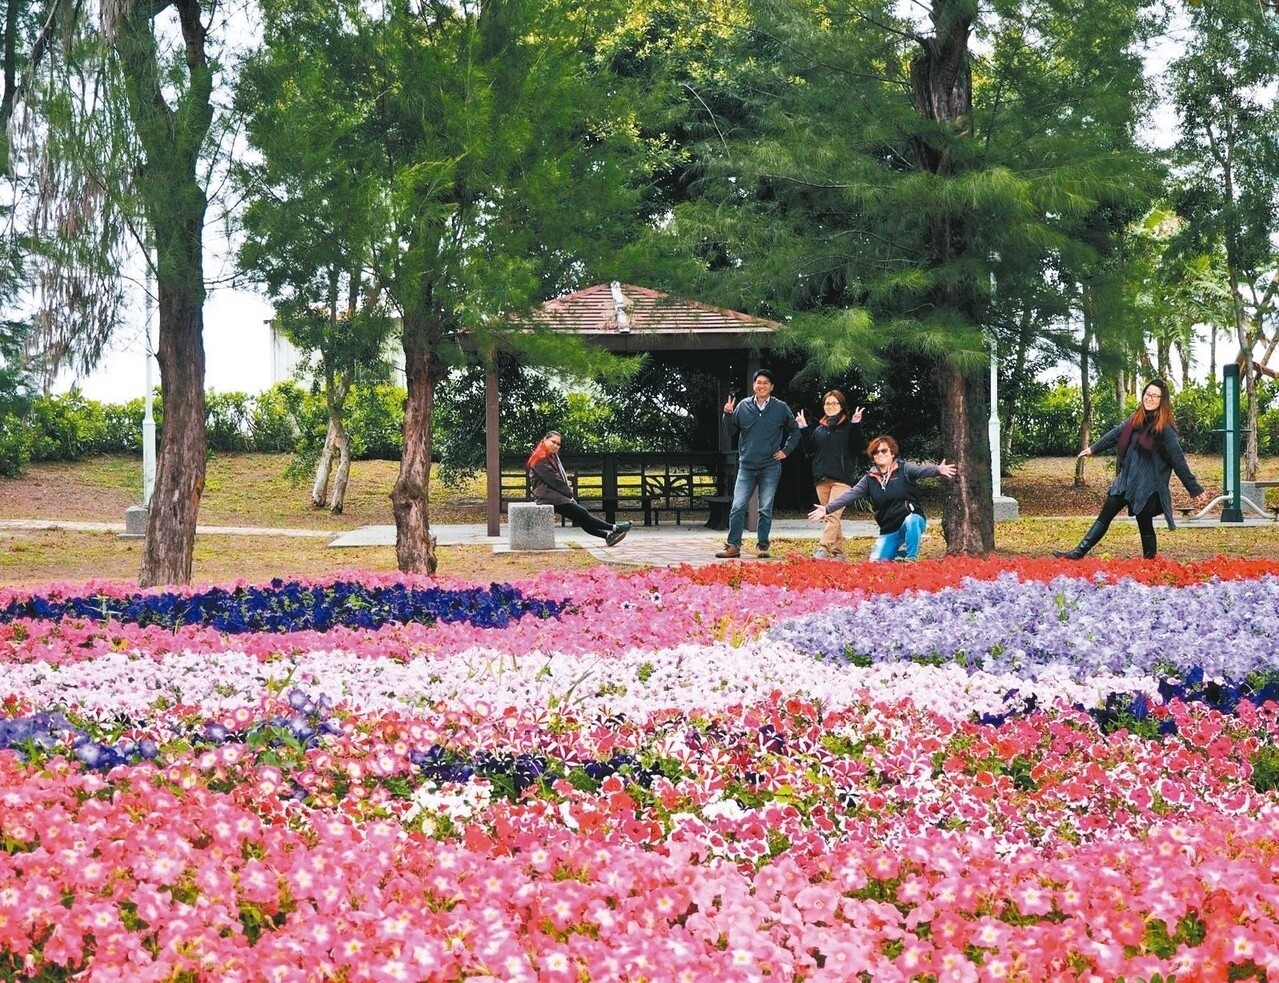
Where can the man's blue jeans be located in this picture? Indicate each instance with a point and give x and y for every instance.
(904, 541)
(749, 479)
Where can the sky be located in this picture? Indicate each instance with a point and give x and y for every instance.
(237, 352)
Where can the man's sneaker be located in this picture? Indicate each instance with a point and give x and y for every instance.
(624, 526)
(821, 553)
(618, 534)
(762, 552)
(728, 553)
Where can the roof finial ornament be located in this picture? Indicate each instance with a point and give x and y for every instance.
(620, 304)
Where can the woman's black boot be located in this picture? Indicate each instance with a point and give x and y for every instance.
(1091, 538)
(1149, 545)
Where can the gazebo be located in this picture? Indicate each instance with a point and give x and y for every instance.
(625, 318)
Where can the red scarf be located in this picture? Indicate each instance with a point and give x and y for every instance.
(1145, 437)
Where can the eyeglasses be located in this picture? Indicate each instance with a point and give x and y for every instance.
(881, 450)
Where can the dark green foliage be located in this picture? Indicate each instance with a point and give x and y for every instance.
(1265, 769)
(375, 416)
(1048, 424)
(227, 420)
(15, 447)
(66, 428)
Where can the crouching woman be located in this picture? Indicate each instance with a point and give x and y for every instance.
(890, 486)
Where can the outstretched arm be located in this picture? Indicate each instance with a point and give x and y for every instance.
(857, 492)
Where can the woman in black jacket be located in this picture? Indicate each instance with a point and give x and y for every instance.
(890, 487)
(551, 487)
(1148, 451)
(834, 465)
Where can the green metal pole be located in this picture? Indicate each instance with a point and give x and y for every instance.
(1233, 508)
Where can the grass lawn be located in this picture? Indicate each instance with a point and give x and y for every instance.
(251, 490)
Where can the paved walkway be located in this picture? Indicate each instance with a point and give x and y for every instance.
(664, 545)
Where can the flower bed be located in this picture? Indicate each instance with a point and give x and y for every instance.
(941, 771)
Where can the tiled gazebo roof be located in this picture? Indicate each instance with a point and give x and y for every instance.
(611, 315)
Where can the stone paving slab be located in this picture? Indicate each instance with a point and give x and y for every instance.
(456, 535)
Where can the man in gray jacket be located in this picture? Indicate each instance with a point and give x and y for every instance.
(766, 433)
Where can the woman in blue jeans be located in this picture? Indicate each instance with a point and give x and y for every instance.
(890, 487)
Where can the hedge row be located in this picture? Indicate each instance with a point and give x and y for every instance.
(289, 419)
(1049, 426)
(284, 419)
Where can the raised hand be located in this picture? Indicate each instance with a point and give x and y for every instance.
(728, 407)
(857, 414)
(947, 470)
(799, 418)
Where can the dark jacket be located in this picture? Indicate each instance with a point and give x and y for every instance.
(761, 434)
(1142, 474)
(549, 482)
(893, 499)
(832, 460)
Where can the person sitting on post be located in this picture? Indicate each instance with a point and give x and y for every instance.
(550, 487)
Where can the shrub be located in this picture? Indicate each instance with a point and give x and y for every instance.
(227, 421)
(277, 419)
(1268, 432)
(122, 425)
(15, 446)
(1049, 425)
(66, 428)
(1199, 412)
(375, 420)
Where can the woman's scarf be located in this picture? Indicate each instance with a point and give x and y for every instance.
(832, 422)
(1145, 437)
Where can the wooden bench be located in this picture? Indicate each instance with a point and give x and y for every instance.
(649, 485)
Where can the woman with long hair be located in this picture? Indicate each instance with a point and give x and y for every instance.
(1147, 452)
(834, 465)
(551, 487)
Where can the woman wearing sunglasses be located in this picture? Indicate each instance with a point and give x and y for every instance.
(890, 486)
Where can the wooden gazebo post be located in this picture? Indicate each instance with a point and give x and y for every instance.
(492, 447)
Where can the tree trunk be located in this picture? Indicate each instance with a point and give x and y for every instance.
(337, 443)
(968, 518)
(941, 90)
(180, 465)
(337, 502)
(320, 486)
(410, 498)
(171, 138)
